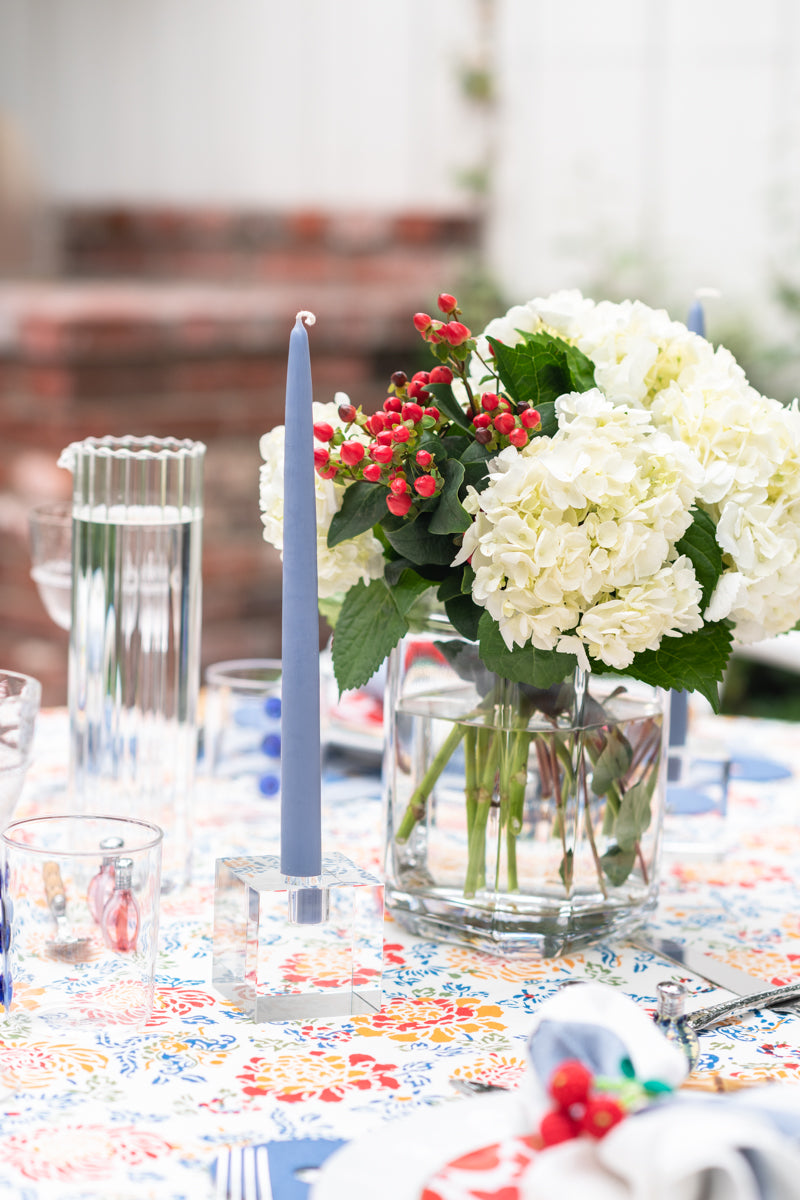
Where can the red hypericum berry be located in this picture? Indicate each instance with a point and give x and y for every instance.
(392, 404)
(422, 322)
(441, 375)
(392, 419)
(399, 379)
(600, 1116)
(401, 433)
(530, 417)
(416, 391)
(399, 505)
(372, 472)
(425, 485)
(447, 303)
(483, 436)
(481, 420)
(503, 424)
(432, 412)
(398, 485)
(347, 412)
(375, 423)
(556, 1127)
(424, 458)
(518, 437)
(411, 412)
(384, 438)
(490, 401)
(352, 453)
(381, 454)
(421, 377)
(323, 432)
(570, 1083)
(320, 457)
(327, 472)
(455, 333)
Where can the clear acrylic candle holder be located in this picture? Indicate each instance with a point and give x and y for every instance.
(288, 949)
(61, 966)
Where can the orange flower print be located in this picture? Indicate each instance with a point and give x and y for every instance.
(178, 1002)
(35, 1066)
(315, 1076)
(432, 1019)
(326, 970)
(503, 1070)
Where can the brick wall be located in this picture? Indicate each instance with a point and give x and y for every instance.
(178, 323)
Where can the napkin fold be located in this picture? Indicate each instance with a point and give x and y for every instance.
(713, 1149)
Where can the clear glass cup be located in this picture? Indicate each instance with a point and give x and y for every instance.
(60, 966)
(242, 727)
(50, 528)
(134, 655)
(20, 697)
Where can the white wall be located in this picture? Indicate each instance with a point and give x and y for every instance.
(664, 132)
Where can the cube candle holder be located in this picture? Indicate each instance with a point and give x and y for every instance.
(290, 949)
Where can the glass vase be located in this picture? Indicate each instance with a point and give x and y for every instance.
(134, 655)
(518, 819)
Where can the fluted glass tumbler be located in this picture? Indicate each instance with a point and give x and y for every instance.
(134, 657)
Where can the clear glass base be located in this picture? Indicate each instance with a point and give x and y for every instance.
(512, 926)
(288, 949)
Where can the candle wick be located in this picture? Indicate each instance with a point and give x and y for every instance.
(308, 317)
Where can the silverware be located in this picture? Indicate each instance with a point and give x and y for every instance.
(717, 973)
(704, 1018)
(242, 1173)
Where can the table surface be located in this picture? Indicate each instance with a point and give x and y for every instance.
(144, 1116)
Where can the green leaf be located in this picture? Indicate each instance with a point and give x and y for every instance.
(617, 864)
(699, 544)
(523, 664)
(450, 516)
(448, 405)
(414, 541)
(693, 662)
(634, 814)
(613, 762)
(407, 590)
(369, 626)
(541, 368)
(464, 615)
(363, 505)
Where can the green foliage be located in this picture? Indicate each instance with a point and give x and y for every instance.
(700, 545)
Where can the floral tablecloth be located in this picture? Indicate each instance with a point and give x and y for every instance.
(144, 1116)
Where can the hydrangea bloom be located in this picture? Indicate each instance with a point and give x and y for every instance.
(573, 539)
(359, 558)
(747, 445)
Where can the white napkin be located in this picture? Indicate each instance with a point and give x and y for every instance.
(687, 1150)
(598, 1025)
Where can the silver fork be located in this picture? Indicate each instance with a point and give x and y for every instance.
(243, 1174)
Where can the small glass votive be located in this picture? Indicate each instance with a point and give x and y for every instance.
(288, 949)
(20, 697)
(79, 905)
(242, 726)
(696, 807)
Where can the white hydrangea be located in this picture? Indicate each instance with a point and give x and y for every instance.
(573, 539)
(338, 569)
(747, 445)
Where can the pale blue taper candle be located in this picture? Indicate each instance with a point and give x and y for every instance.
(301, 837)
(696, 321)
(679, 701)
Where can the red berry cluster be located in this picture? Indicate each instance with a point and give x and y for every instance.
(392, 454)
(577, 1110)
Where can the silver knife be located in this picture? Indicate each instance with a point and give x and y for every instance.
(757, 992)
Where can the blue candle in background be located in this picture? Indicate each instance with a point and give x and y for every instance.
(696, 321)
(679, 701)
(301, 834)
